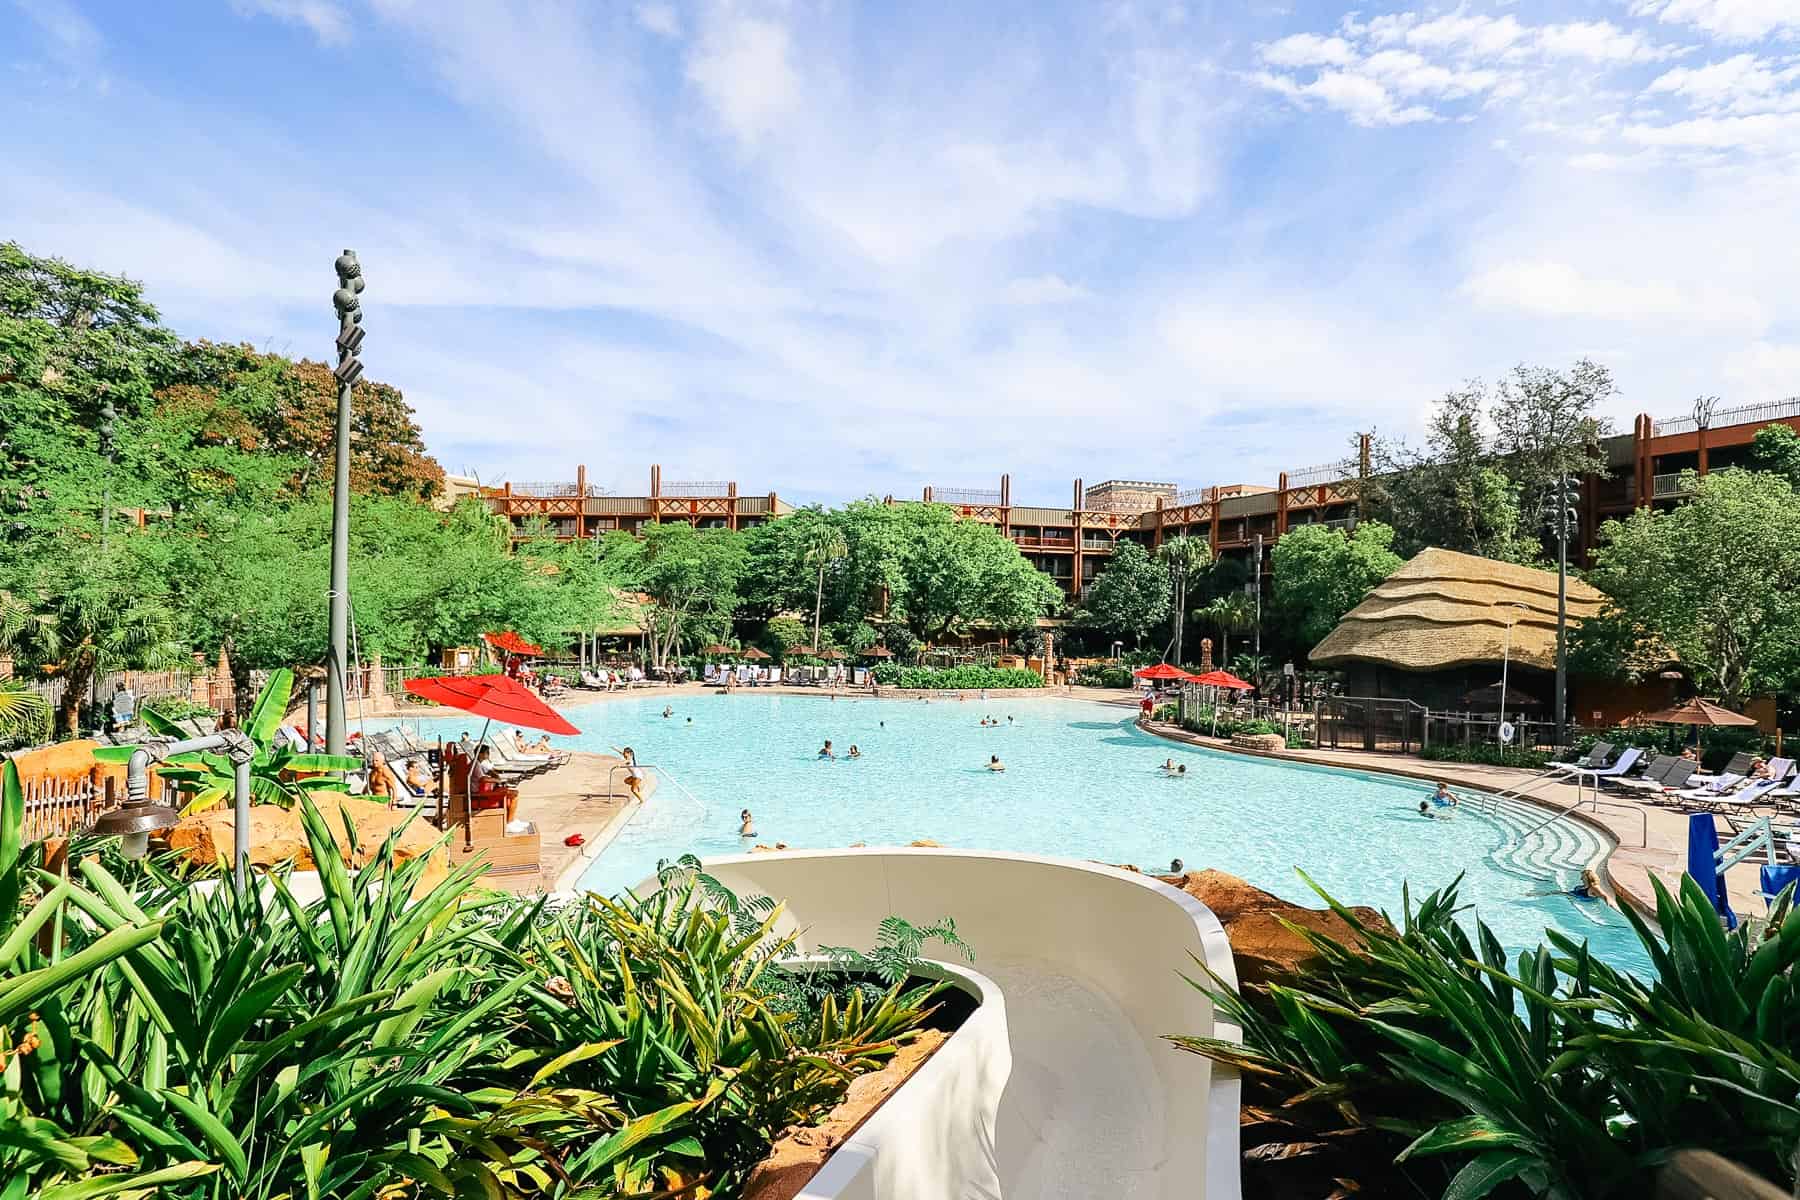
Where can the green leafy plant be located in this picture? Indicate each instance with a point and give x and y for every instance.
(278, 774)
(959, 678)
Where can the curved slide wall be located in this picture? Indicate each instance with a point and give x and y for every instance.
(1089, 960)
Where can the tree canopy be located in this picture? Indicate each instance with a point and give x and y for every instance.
(1713, 582)
(1130, 597)
(1320, 575)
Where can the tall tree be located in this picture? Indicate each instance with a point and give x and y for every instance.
(1320, 575)
(1130, 597)
(822, 545)
(691, 576)
(1776, 448)
(947, 575)
(1229, 614)
(1714, 581)
(1547, 424)
(1185, 558)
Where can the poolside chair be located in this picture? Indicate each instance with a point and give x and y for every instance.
(1594, 759)
(1651, 779)
(1753, 793)
(1711, 789)
(1627, 759)
(1673, 781)
(1738, 766)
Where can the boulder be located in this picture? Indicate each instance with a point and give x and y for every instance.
(278, 836)
(275, 836)
(1264, 949)
(1259, 741)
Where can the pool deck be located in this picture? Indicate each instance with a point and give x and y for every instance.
(1651, 840)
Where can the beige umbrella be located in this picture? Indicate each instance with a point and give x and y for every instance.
(1697, 712)
(754, 653)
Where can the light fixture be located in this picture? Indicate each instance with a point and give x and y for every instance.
(133, 822)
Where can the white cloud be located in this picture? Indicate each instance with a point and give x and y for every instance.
(1460, 32)
(1743, 83)
(325, 18)
(1308, 50)
(1412, 74)
(659, 18)
(1768, 133)
(1045, 289)
(1764, 370)
(1601, 42)
(742, 67)
(1556, 289)
(1733, 20)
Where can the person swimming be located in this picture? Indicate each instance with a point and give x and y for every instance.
(1425, 810)
(1589, 888)
(1176, 867)
(1444, 797)
(854, 752)
(668, 711)
(746, 827)
(690, 720)
(826, 751)
(994, 763)
(1168, 766)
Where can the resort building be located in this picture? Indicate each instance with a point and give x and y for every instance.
(1653, 464)
(579, 509)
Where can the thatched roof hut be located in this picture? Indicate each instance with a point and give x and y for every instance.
(1442, 610)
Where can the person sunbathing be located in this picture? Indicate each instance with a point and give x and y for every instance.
(486, 790)
(417, 778)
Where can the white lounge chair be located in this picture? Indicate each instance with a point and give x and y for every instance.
(1627, 760)
(1594, 759)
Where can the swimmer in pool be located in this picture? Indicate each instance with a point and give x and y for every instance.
(826, 751)
(854, 752)
(746, 827)
(994, 763)
(1425, 810)
(667, 712)
(1176, 867)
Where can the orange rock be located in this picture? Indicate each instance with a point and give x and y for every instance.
(278, 836)
(1264, 948)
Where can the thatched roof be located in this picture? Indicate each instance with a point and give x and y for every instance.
(1444, 609)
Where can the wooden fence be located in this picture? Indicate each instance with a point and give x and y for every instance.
(58, 805)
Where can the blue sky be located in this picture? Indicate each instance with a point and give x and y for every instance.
(839, 249)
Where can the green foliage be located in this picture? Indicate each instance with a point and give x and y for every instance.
(1713, 583)
(898, 947)
(1716, 745)
(1558, 1076)
(1231, 613)
(1130, 597)
(1320, 575)
(956, 678)
(395, 1038)
(1105, 677)
(1488, 754)
(1776, 448)
(691, 576)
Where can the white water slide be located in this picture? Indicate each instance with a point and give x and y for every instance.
(1065, 1088)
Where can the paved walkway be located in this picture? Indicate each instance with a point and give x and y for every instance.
(1651, 840)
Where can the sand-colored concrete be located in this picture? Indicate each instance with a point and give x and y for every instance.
(585, 795)
(1651, 840)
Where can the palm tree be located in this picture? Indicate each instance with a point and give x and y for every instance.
(821, 545)
(1229, 614)
(1185, 557)
(22, 713)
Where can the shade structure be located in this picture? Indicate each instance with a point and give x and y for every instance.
(1161, 671)
(1697, 712)
(829, 654)
(755, 655)
(511, 643)
(1489, 696)
(877, 652)
(1224, 679)
(495, 697)
(718, 648)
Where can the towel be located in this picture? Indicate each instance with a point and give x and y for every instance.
(1703, 864)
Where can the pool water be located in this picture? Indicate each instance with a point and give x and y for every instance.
(1081, 780)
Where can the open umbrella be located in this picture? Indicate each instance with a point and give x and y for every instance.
(717, 649)
(1697, 712)
(511, 643)
(877, 652)
(1161, 671)
(1224, 679)
(755, 655)
(494, 697)
(830, 654)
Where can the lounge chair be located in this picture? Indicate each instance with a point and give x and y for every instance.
(1711, 789)
(1651, 779)
(1753, 793)
(1595, 758)
(1627, 759)
(1673, 781)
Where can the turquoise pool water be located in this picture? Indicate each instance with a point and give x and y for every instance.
(1081, 780)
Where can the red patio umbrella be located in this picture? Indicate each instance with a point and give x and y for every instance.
(494, 697)
(1161, 671)
(1224, 679)
(511, 643)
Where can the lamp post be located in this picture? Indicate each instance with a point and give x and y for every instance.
(349, 370)
(1506, 658)
(1564, 494)
(137, 818)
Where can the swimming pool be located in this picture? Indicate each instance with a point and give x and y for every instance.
(1081, 780)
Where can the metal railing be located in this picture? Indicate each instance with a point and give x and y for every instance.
(1341, 523)
(1102, 543)
(1314, 476)
(1664, 487)
(1191, 496)
(693, 489)
(971, 496)
(1051, 543)
(1747, 414)
(553, 490)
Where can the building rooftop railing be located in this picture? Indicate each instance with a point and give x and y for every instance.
(1678, 483)
(1191, 496)
(1746, 414)
(965, 495)
(696, 488)
(1314, 476)
(1118, 504)
(557, 490)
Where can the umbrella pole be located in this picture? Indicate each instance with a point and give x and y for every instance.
(469, 788)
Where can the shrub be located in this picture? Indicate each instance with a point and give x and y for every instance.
(1488, 754)
(1423, 1064)
(1103, 677)
(958, 678)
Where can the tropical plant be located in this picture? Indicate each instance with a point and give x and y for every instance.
(278, 774)
(1416, 1055)
(1186, 559)
(1229, 614)
(822, 544)
(24, 714)
(964, 677)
